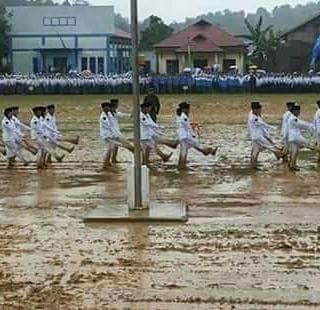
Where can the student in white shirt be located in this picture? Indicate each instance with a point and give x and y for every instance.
(259, 133)
(295, 138)
(188, 137)
(11, 138)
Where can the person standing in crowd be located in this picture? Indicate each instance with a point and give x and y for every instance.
(259, 134)
(253, 82)
(154, 101)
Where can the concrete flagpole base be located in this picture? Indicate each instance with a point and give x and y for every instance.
(158, 212)
(148, 212)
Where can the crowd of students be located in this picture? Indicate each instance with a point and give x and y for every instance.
(164, 84)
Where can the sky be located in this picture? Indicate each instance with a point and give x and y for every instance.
(177, 10)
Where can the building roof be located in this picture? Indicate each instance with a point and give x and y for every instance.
(201, 36)
(122, 34)
(309, 20)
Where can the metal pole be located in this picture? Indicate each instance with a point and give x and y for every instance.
(136, 104)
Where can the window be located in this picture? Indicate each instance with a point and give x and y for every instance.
(46, 21)
(71, 21)
(59, 21)
(84, 63)
(100, 65)
(92, 64)
(55, 21)
(227, 63)
(63, 21)
(172, 67)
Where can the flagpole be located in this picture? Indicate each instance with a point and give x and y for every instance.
(136, 105)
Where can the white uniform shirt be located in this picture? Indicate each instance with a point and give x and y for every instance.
(36, 128)
(316, 122)
(9, 132)
(185, 130)
(51, 121)
(284, 125)
(257, 128)
(148, 128)
(20, 126)
(295, 125)
(50, 126)
(114, 125)
(105, 127)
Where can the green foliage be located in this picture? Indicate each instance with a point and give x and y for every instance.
(266, 43)
(154, 33)
(282, 18)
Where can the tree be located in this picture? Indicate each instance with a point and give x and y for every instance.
(265, 45)
(4, 30)
(154, 33)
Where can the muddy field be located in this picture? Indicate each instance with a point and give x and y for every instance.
(252, 241)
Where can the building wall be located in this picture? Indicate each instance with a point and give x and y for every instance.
(309, 33)
(89, 19)
(23, 61)
(294, 56)
(212, 58)
(92, 36)
(163, 57)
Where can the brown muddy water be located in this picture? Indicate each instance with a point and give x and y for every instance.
(252, 240)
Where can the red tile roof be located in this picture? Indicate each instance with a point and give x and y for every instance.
(201, 36)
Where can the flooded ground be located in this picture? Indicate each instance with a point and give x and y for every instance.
(252, 241)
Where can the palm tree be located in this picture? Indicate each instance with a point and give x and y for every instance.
(265, 42)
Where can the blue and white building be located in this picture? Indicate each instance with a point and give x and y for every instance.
(63, 38)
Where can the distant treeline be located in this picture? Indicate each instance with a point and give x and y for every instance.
(282, 18)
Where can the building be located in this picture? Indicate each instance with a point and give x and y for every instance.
(150, 61)
(64, 38)
(200, 45)
(295, 51)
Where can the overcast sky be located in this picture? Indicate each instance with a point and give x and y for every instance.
(177, 10)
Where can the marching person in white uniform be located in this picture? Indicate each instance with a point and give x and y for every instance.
(316, 126)
(150, 132)
(54, 136)
(296, 140)
(51, 121)
(188, 137)
(23, 131)
(39, 136)
(259, 133)
(11, 138)
(284, 130)
(118, 139)
(106, 133)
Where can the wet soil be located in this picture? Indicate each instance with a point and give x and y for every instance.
(252, 240)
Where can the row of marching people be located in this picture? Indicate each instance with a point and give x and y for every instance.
(152, 137)
(292, 134)
(42, 138)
